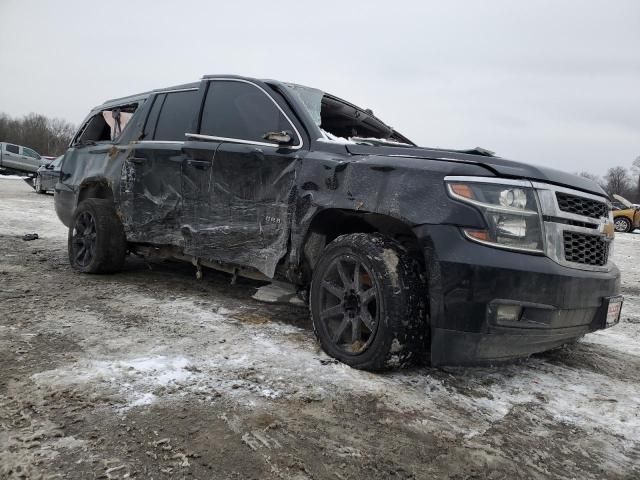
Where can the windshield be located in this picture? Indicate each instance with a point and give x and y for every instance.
(343, 122)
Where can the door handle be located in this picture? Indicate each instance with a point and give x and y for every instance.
(136, 160)
(198, 164)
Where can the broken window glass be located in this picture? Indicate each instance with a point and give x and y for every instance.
(343, 122)
(106, 126)
(311, 98)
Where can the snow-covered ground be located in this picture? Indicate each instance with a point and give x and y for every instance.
(148, 341)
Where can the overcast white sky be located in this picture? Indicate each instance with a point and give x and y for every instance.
(550, 82)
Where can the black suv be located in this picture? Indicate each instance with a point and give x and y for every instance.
(403, 251)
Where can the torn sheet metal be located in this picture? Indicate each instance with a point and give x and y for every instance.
(226, 202)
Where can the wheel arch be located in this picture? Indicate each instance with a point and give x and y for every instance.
(328, 224)
(95, 187)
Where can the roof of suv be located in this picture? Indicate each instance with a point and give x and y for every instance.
(141, 96)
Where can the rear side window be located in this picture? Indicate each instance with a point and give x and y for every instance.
(30, 153)
(105, 126)
(12, 148)
(240, 111)
(176, 115)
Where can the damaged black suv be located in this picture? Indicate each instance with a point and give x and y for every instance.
(404, 252)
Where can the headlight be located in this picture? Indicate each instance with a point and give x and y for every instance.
(511, 212)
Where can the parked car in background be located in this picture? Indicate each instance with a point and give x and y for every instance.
(626, 215)
(19, 159)
(401, 251)
(47, 176)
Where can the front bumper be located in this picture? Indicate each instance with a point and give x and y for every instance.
(467, 281)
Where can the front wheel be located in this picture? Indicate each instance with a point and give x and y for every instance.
(96, 241)
(622, 224)
(368, 302)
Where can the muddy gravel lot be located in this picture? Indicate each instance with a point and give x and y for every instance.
(151, 373)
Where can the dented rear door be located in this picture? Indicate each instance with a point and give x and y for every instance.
(152, 196)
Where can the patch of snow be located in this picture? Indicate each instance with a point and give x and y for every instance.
(70, 442)
(12, 177)
(330, 137)
(144, 399)
(35, 214)
(624, 338)
(132, 378)
(277, 292)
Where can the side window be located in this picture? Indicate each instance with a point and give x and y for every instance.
(152, 118)
(12, 148)
(106, 126)
(30, 153)
(176, 115)
(95, 130)
(241, 111)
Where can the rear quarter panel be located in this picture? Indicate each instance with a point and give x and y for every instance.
(95, 163)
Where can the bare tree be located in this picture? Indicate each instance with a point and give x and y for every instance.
(617, 180)
(46, 136)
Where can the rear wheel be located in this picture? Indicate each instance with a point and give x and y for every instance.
(368, 302)
(96, 241)
(622, 224)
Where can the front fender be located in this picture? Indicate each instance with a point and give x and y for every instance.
(410, 190)
(407, 189)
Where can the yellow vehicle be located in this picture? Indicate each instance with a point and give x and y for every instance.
(626, 216)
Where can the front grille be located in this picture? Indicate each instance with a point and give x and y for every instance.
(582, 206)
(586, 249)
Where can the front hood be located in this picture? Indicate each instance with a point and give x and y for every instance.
(499, 166)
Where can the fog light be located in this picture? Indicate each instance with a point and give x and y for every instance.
(508, 313)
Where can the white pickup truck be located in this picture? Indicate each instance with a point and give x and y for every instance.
(19, 159)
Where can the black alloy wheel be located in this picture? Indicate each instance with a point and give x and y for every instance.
(84, 239)
(349, 304)
(368, 302)
(96, 240)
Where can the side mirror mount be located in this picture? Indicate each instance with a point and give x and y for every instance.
(281, 138)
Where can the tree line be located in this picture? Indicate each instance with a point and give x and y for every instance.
(47, 136)
(624, 181)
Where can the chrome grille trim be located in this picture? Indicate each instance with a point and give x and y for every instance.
(586, 249)
(554, 230)
(582, 206)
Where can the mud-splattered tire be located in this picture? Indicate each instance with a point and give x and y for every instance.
(622, 225)
(368, 301)
(96, 240)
